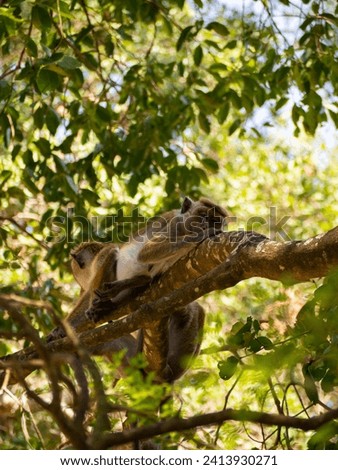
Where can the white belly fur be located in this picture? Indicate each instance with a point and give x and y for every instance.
(127, 265)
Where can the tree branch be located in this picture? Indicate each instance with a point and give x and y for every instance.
(180, 424)
(13, 302)
(246, 255)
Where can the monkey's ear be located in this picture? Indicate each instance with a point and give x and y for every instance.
(187, 203)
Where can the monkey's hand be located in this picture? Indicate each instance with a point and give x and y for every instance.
(105, 302)
(112, 289)
(117, 294)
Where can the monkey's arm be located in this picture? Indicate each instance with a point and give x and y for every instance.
(115, 294)
(159, 253)
(161, 247)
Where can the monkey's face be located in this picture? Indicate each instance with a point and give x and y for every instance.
(205, 215)
(82, 261)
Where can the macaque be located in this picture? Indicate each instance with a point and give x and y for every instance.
(109, 275)
(94, 263)
(154, 249)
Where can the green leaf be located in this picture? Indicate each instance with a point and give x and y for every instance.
(223, 113)
(6, 13)
(219, 28)
(210, 164)
(90, 61)
(60, 164)
(39, 117)
(44, 146)
(4, 176)
(68, 62)
(231, 44)
(183, 37)
(27, 179)
(15, 265)
(109, 46)
(328, 382)
(234, 126)
(64, 10)
(31, 47)
(91, 197)
(41, 18)
(180, 3)
(16, 193)
(265, 342)
(334, 117)
(15, 151)
(47, 80)
(322, 438)
(198, 55)
(201, 174)
(255, 345)
(280, 103)
(218, 67)
(52, 120)
(5, 89)
(204, 122)
(103, 113)
(310, 385)
(228, 367)
(54, 67)
(66, 145)
(4, 349)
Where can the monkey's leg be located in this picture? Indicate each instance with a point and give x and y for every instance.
(185, 337)
(102, 308)
(111, 289)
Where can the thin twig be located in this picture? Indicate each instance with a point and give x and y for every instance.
(25, 231)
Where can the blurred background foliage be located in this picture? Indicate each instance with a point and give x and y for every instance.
(113, 110)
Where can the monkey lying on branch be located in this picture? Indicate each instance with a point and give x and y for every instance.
(234, 257)
(111, 275)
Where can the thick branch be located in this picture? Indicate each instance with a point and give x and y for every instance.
(246, 255)
(249, 254)
(179, 424)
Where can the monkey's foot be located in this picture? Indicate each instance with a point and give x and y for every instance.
(100, 310)
(57, 333)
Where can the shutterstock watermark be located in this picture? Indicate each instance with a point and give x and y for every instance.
(120, 227)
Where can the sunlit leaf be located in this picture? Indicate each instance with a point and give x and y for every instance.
(218, 28)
